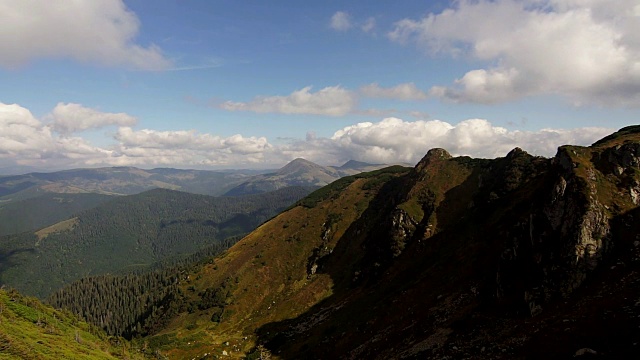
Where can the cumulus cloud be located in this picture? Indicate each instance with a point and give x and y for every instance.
(151, 147)
(407, 91)
(393, 139)
(587, 51)
(22, 134)
(340, 21)
(332, 101)
(26, 140)
(70, 118)
(97, 31)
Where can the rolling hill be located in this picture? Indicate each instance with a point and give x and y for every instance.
(300, 172)
(514, 257)
(119, 181)
(44, 210)
(131, 232)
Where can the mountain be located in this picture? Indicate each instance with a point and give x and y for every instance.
(131, 233)
(514, 257)
(31, 330)
(44, 210)
(119, 181)
(300, 172)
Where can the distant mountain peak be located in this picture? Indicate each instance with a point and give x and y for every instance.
(297, 165)
(354, 164)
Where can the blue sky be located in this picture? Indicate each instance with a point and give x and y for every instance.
(254, 84)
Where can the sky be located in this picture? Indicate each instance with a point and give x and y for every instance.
(214, 84)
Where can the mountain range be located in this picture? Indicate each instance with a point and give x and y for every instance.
(514, 257)
(519, 257)
(36, 200)
(301, 172)
(131, 180)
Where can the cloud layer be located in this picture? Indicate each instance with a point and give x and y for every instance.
(407, 91)
(49, 144)
(70, 118)
(332, 101)
(96, 31)
(588, 51)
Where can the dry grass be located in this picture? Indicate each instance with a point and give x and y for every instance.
(66, 225)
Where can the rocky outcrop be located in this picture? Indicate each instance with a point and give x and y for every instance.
(401, 230)
(433, 155)
(569, 234)
(477, 258)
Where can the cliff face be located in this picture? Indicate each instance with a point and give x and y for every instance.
(458, 257)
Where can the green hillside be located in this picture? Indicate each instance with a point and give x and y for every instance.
(44, 210)
(131, 233)
(30, 330)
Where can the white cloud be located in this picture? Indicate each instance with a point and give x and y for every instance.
(187, 148)
(22, 134)
(27, 141)
(368, 25)
(69, 118)
(393, 139)
(340, 21)
(96, 31)
(407, 91)
(588, 51)
(332, 101)
(181, 139)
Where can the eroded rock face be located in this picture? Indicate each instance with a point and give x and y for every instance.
(571, 233)
(401, 230)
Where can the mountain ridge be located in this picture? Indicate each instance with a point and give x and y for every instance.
(300, 172)
(481, 242)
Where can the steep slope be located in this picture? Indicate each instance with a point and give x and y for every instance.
(458, 258)
(300, 172)
(270, 274)
(131, 233)
(30, 330)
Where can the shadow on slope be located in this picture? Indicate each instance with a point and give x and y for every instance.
(465, 291)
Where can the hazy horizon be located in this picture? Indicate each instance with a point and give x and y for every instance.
(248, 85)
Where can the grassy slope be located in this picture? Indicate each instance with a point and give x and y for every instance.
(268, 271)
(30, 330)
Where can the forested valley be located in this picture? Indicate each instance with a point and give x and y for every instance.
(132, 234)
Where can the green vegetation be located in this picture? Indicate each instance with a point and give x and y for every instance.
(376, 177)
(31, 330)
(48, 209)
(132, 233)
(624, 133)
(135, 305)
